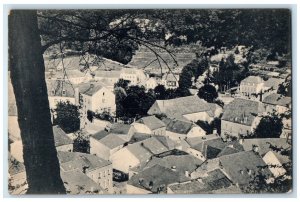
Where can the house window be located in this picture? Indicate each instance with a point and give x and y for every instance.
(103, 93)
(64, 92)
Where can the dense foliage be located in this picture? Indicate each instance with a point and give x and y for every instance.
(208, 93)
(67, 117)
(270, 126)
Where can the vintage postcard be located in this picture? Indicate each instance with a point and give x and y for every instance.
(153, 101)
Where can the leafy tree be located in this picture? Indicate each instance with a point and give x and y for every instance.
(67, 117)
(270, 126)
(160, 92)
(192, 71)
(230, 73)
(120, 96)
(81, 143)
(122, 83)
(208, 93)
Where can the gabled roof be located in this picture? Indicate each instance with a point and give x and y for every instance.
(152, 122)
(241, 166)
(242, 111)
(60, 137)
(277, 99)
(265, 144)
(120, 128)
(90, 88)
(210, 148)
(154, 145)
(156, 177)
(137, 137)
(101, 134)
(181, 106)
(177, 126)
(253, 79)
(112, 141)
(60, 88)
(141, 128)
(197, 140)
(75, 160)
(76, 182)
(139, 151)
(166, 141)
(180, 163)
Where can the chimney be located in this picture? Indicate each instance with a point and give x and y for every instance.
(242, 172)
(173, 168)
(249, 171)
(241, 141)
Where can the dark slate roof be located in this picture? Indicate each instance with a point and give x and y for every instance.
(152, 122)
(137, 137)
(56, 88)
(101, 134)
(277, 99)
(238, 164)
(120, 128)
(60, 137)
(242, 111)
(155, 177)
(166, 141)
(177, 126)
(210, 148)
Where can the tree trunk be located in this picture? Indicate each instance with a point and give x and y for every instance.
(28, 80)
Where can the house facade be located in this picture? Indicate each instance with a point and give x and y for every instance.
(96, 168)
(106, 146)
(135, 76)
(60, 91)
(241, 117)
(96, 98)
(251, 85)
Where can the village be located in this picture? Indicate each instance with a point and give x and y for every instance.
(188, 144)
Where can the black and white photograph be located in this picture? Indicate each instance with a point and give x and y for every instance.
(150, 101)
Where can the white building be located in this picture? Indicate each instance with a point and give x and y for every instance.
(251, 85)
(95, 97)
(135, 76)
